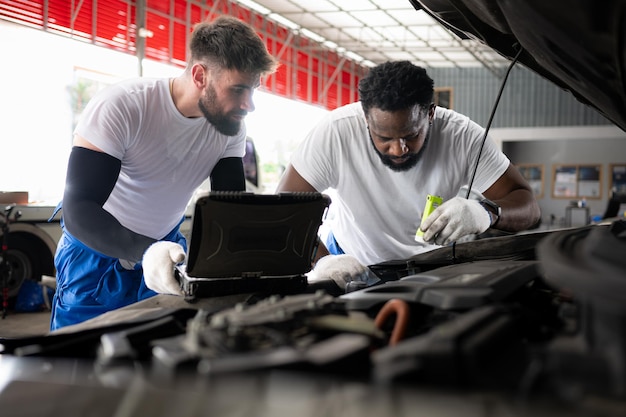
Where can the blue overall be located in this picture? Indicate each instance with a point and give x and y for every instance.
(332, 245)
(90, 283)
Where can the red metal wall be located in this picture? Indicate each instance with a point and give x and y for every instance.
(308, 72)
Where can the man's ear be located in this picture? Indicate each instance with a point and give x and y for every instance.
(431, 112)
(199, 74)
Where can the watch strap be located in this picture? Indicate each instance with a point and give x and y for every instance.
(494, 210)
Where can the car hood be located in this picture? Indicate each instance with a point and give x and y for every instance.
(579, 45)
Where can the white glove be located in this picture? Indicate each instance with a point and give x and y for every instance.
(158, 267)
(454, 219)
(340, 268)
(474, 194)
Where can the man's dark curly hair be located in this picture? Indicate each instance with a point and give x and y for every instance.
(396, 85)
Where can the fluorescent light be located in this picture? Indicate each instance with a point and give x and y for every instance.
(368, 63)
(278, 18)
(353, 56)
(254, 6)
(312, 35)
(330, 44)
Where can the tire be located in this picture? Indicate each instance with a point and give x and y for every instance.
(29, 258)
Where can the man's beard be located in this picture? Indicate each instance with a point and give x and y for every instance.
(211, 111)
(412, 160)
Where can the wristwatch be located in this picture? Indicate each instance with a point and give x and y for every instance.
(493, 209)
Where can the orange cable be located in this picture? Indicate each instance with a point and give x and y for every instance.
(401, 310)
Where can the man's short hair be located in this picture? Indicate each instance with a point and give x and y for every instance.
(229, 43)
(396, 85)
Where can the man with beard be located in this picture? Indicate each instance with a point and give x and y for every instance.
(140, 150)
(383, 155)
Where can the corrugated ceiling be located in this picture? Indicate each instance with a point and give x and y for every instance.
(374, 31)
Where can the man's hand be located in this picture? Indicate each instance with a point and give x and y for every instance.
(340, 268)
(454, 219)
(158, 267)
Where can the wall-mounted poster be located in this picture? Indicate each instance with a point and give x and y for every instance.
(564, 181)
(618, 178)
(444, 97)
(589, 181)
(533, 173)
(577, 181)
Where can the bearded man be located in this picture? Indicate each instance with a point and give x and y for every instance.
(382, 156)
(140, 150)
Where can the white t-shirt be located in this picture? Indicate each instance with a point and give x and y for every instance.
(377, 211)
(165, 156)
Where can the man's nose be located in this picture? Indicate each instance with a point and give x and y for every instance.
(247, 103)
(398, 147)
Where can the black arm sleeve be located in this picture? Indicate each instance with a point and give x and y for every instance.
(228, 175)
(90, 179)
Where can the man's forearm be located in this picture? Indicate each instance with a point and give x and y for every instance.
(520, 211)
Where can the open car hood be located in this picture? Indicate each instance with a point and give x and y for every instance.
(579, 45)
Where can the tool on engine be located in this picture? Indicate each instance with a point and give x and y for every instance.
(432, 202)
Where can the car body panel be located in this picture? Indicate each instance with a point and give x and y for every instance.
(578, 45)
